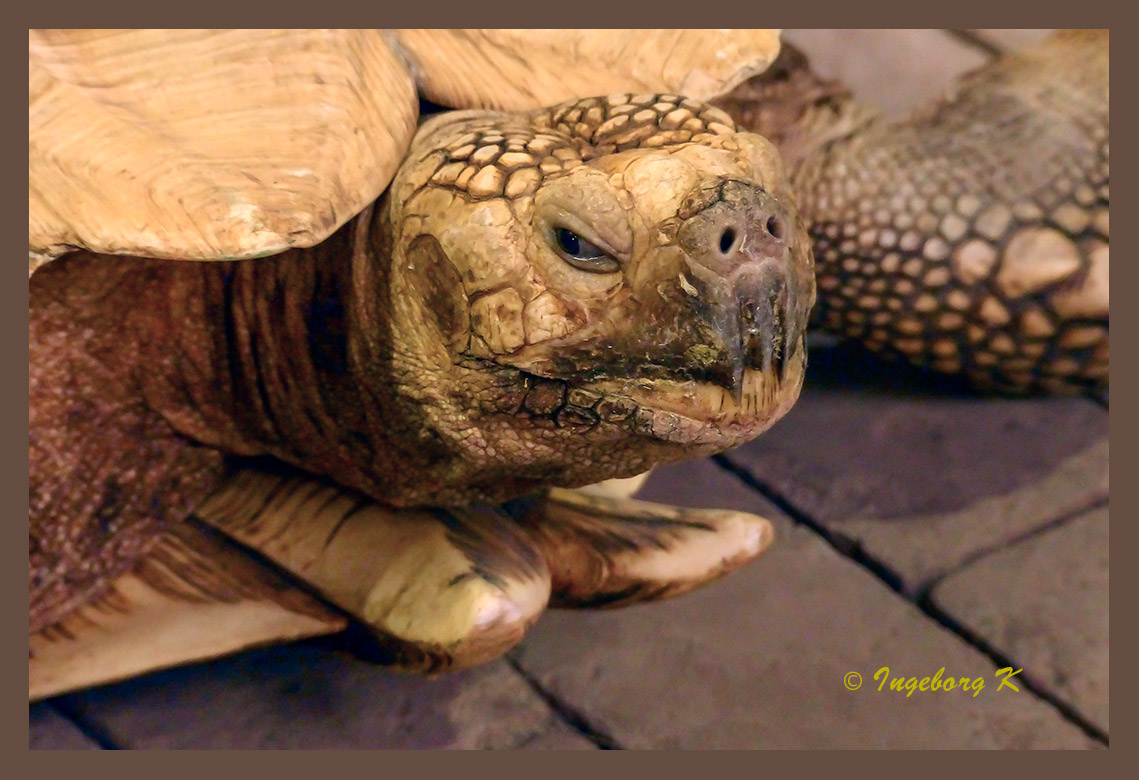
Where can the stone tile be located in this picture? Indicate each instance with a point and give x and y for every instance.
(924, 547)
(894, 70)
(48, 730)
(1044, 604)
(758, 659)
(919, 471)
(308, 696)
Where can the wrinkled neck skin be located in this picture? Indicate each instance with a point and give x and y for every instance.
(272, 357)
(294, 357)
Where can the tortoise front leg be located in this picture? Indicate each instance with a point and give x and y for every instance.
(445, 589)
(440, 589)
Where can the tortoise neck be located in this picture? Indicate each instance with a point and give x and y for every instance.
(267, 357)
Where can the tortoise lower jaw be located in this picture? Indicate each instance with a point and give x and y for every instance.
(704, 415)
(691, 414)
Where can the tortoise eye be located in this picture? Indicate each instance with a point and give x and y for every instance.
(584, 255)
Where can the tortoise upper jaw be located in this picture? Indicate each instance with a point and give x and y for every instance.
(769, 332)
(736, 240)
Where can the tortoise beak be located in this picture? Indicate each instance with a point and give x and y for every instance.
(736, 238)
(765, 314)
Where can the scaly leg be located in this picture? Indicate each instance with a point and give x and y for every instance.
(970, 236)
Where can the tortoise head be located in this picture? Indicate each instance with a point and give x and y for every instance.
(600, 286)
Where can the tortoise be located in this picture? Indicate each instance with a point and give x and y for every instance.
(541, 296)
(449, 555)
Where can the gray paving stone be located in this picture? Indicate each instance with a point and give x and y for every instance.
(921, 473)
(48, 730)
(923, 548)
(1043, 603)
(895, 70)
(306, 696)
(758, 659)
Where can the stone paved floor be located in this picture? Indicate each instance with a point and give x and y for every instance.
(920, 527)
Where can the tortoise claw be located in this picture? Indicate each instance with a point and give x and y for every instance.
(438, 589)
(606, 551)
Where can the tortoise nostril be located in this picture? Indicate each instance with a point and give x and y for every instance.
(775, 227)
(726, 240)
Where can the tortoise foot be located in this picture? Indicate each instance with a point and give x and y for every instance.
(441, 589)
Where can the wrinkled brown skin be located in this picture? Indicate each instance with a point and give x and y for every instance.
(971, 236)
(438, 350)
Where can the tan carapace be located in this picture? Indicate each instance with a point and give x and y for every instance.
(542, 296)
